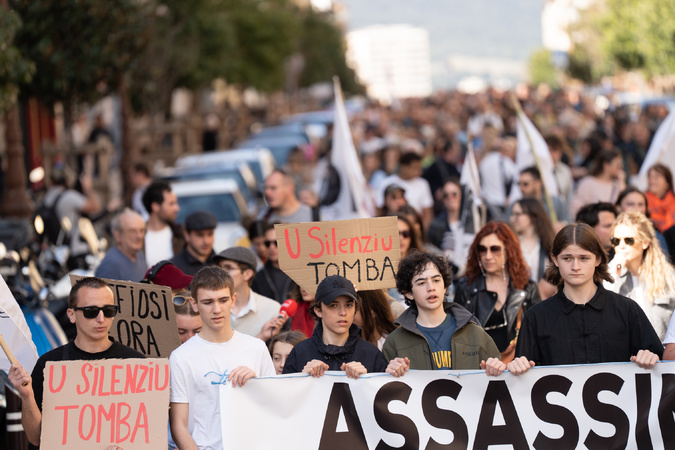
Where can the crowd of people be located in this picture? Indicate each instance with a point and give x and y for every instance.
(509, 280)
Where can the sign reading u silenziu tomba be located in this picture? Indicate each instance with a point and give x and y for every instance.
(366, 251)
(146, 320)
(92, 404)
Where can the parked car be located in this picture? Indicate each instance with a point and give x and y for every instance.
(220, 197)
(289, 129)
(260, 160)
(240, 172)
(280, 146)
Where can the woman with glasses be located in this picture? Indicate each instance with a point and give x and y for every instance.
(409, 242)
(534, 230)
(641, 270)
(408, 236)
(497, 288)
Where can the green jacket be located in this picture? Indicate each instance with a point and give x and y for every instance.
(470, 344)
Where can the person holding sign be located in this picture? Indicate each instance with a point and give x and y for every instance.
(336, 343)
(433, 333)
(91, 307)
(216, 355)
(583, 323)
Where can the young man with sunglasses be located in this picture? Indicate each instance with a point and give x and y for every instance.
(271, 281)
(91, 307)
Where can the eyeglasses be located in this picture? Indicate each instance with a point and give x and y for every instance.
(268, 244)
(405, 234)
(494, 249)
(91, 312)
(630, 241)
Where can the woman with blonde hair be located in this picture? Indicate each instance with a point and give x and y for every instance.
(640, 269)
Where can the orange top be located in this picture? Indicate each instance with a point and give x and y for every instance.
(662, 210)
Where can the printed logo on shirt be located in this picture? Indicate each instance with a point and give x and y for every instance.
(442, 359)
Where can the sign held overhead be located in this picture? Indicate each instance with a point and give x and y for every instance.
(365, 251)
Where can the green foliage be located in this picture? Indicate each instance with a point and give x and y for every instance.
(323, 48)
(542, 69)
(631, 35)
(80, 48)
(13, 68)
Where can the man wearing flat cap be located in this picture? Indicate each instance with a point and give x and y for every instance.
(198, 251)
(252, 313)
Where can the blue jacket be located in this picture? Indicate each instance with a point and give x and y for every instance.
(355, 349)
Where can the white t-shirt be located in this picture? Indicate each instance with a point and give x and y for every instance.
(158, 245)
(417, 192)
(495, 171)
(196, 363)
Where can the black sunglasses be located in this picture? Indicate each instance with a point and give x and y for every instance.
(494, 249)
(405, 234)
(268, 244)
(616, 241)
(91, 312)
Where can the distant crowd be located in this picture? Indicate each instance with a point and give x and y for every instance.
(584, 276)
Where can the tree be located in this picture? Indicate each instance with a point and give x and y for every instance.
(542, 69)
(14, 69)
(626, 34)
(81, 50)
(323, 47)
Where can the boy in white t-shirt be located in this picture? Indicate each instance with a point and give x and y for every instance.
(217, 354)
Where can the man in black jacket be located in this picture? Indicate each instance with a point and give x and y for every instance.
(336, 343)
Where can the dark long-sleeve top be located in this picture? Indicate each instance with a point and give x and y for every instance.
(609, 328)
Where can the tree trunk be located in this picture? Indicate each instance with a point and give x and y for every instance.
(128, 150)
(16, 202)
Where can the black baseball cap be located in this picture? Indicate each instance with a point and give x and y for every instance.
(332, 287)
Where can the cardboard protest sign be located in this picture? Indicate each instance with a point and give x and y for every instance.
(92, 404)
(146, 321)
(366, 251)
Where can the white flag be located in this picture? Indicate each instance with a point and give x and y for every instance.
(14, 330)
(354, 200)
(470, 176)
(661, 150)
(525, 154)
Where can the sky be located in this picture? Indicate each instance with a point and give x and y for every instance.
(465, 35)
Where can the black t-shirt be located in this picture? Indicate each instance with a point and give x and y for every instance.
(70, 352)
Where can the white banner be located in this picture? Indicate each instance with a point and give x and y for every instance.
(15, 331)
(591, 406)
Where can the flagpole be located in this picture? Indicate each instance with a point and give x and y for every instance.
(549, 201)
